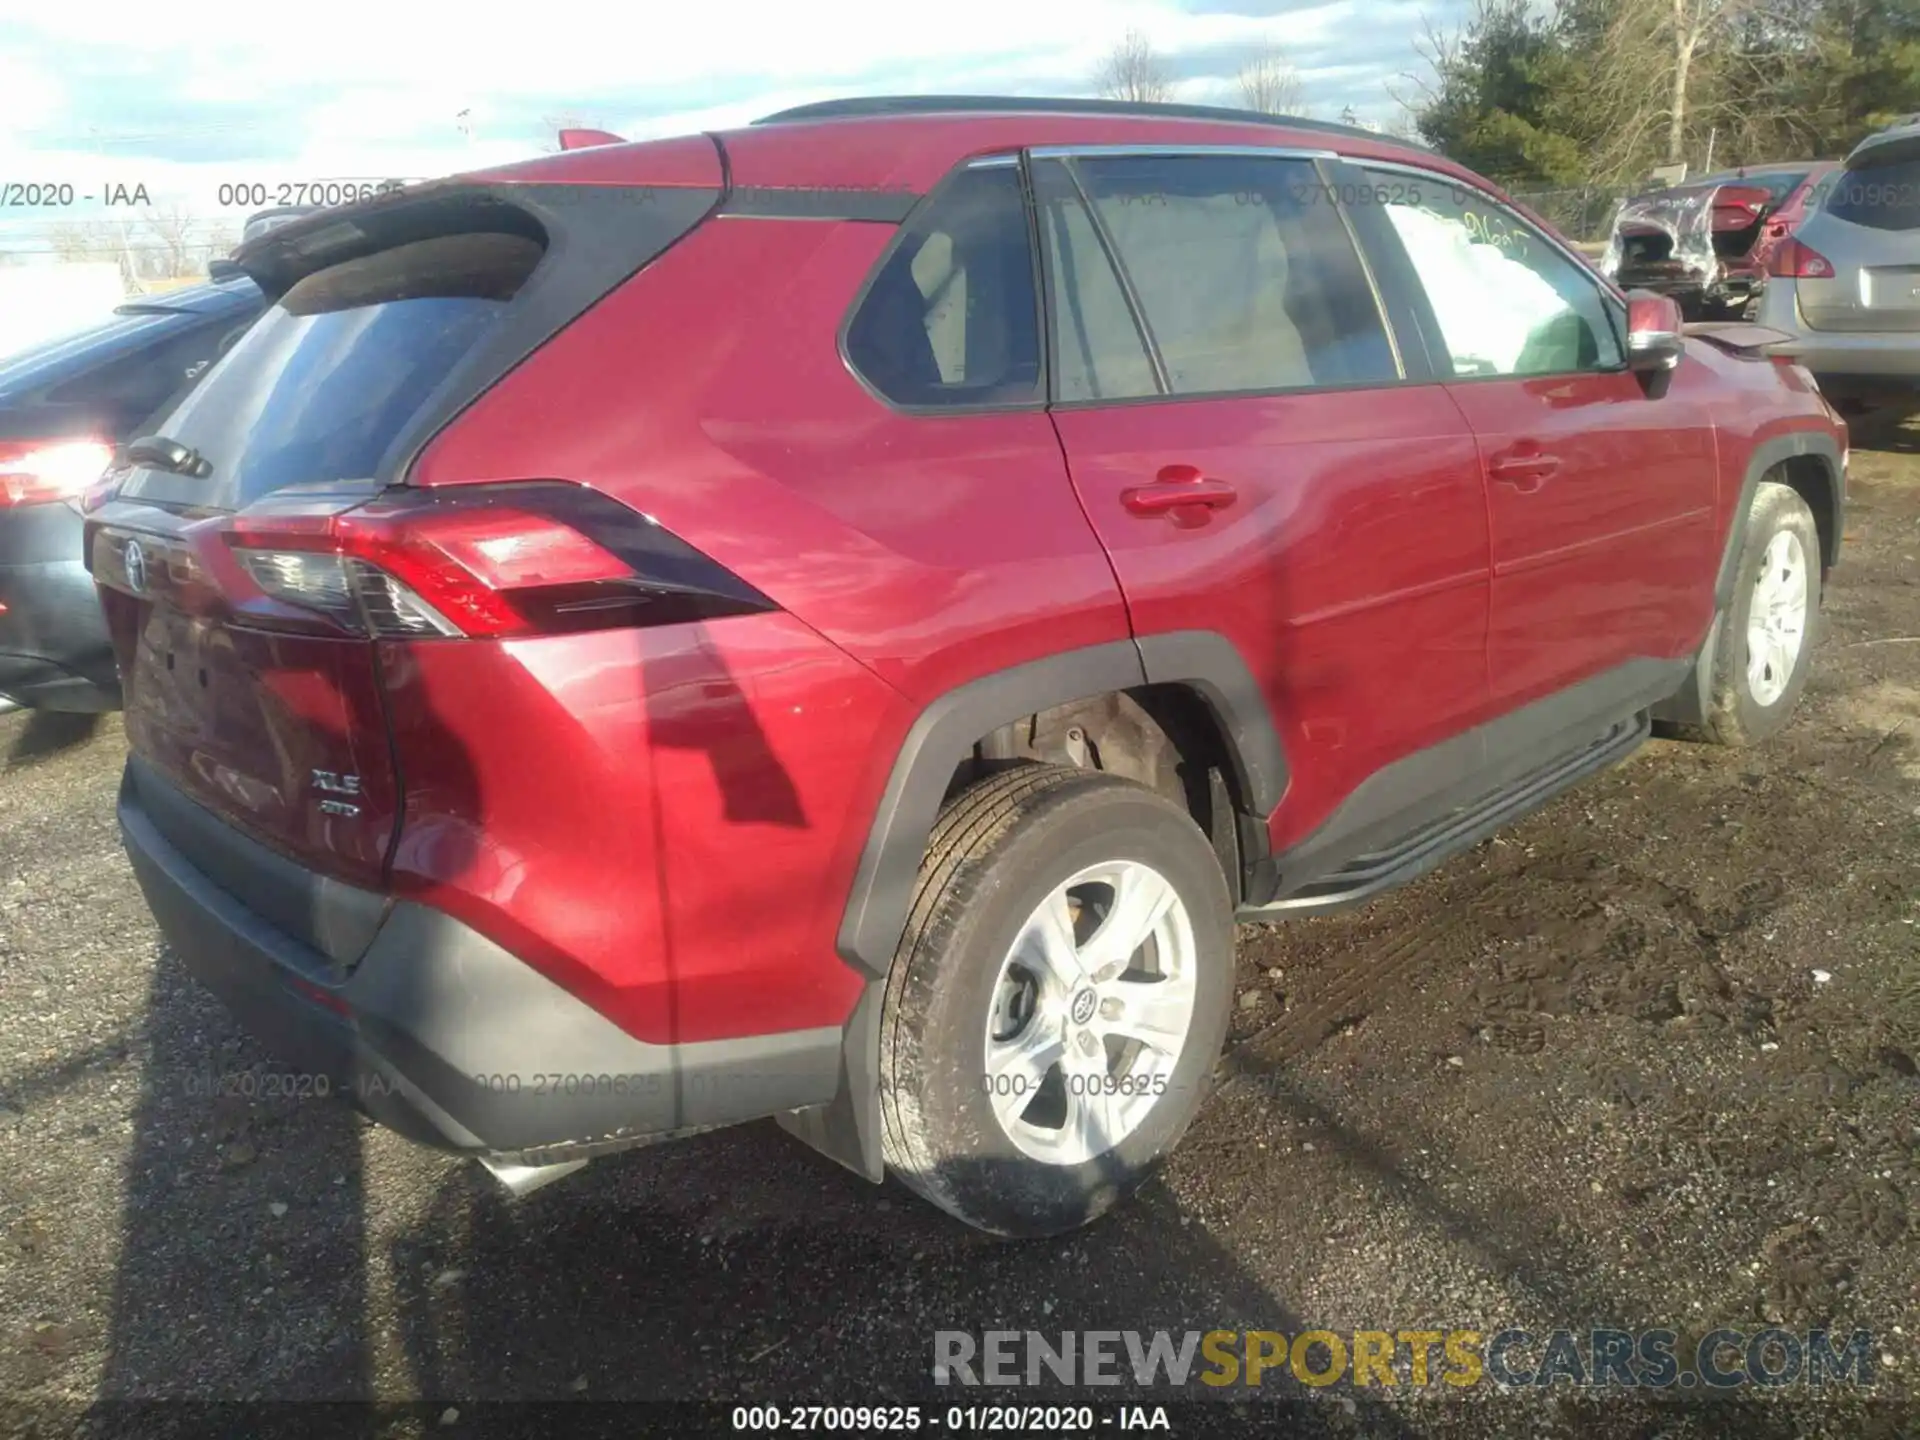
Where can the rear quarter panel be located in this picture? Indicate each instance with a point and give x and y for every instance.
(1754, 400)
(911, 554)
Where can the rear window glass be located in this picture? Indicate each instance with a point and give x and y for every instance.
(331, 375)
(1881, 197)
(1777, 183)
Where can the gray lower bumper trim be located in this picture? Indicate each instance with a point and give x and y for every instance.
(451, 1040)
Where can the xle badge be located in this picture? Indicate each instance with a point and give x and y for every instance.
(334, 783)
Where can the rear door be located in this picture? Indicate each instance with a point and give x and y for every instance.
(1867, 228)
(1600, 492)
(1256, 460)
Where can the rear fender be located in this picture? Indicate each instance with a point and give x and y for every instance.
(848, 1129)
(1792, 453)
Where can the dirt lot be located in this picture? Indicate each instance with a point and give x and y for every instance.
(1648, 1060)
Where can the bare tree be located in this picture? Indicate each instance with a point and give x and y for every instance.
(82, 241)
(1270, 84)
(1402, 127)
(94, 242)
(1134, 70)
(222, 240)
(1441, 53)
(1693, 27)
(173, 250)
(1665, 74)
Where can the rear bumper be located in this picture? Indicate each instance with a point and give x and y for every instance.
(443, 1036)
(1890, 359)
(1881, 358)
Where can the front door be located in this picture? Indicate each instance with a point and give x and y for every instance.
(1600, 489)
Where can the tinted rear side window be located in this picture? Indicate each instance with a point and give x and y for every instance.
(950, 319)
(332, 374)
(1245, 274)
(1880, 197)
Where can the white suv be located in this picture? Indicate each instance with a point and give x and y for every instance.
(1846, 283)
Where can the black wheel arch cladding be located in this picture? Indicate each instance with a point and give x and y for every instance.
(946, 730)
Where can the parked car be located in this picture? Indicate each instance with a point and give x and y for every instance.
(835, 619)
(64, 407)
(1846, 284)
(1706, 242)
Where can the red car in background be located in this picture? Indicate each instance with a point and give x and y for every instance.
(1706, 242)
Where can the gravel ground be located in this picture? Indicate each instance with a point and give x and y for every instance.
(1646, 1060)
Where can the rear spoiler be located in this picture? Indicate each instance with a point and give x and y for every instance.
(586, 139)
(279, 257)
(1736, 335)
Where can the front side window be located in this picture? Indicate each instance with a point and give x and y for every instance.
(949, 320)
(1239, 275)
(1506, 300)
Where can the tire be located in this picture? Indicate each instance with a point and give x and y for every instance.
(1000, 849)
(1737, 712)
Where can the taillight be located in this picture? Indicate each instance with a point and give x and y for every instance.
(33, 472)
(1795, 259)
(479, 561)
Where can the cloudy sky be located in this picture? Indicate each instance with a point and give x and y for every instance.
(100, 93)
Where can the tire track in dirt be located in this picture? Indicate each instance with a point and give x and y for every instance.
(1357, 990)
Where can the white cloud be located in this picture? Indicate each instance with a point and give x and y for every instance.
(376, 88)
(34, 100)
(600, 44)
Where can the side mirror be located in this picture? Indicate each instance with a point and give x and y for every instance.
(1654, 339)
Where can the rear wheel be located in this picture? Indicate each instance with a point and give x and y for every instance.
(1766, 641)
(1058, 999)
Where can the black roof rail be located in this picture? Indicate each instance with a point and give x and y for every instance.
(872, 106)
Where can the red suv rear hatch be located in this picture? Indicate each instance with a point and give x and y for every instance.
(251, 562)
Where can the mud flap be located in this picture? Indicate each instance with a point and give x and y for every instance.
(1688, 704)
(847, 1128)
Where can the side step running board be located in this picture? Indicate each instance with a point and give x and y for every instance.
(1366, 876)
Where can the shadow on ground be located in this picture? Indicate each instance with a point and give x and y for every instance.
(48, 732)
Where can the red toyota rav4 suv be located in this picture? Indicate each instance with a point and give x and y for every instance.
(833, 620)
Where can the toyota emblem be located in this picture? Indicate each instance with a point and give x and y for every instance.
(136, 563)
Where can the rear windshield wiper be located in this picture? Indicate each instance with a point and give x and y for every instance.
(161, 453)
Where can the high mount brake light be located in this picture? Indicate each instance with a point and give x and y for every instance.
(33, 472)
(481, 561)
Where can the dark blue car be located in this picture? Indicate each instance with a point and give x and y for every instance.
(64, 407)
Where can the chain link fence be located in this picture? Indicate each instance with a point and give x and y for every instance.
(1583, 214)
